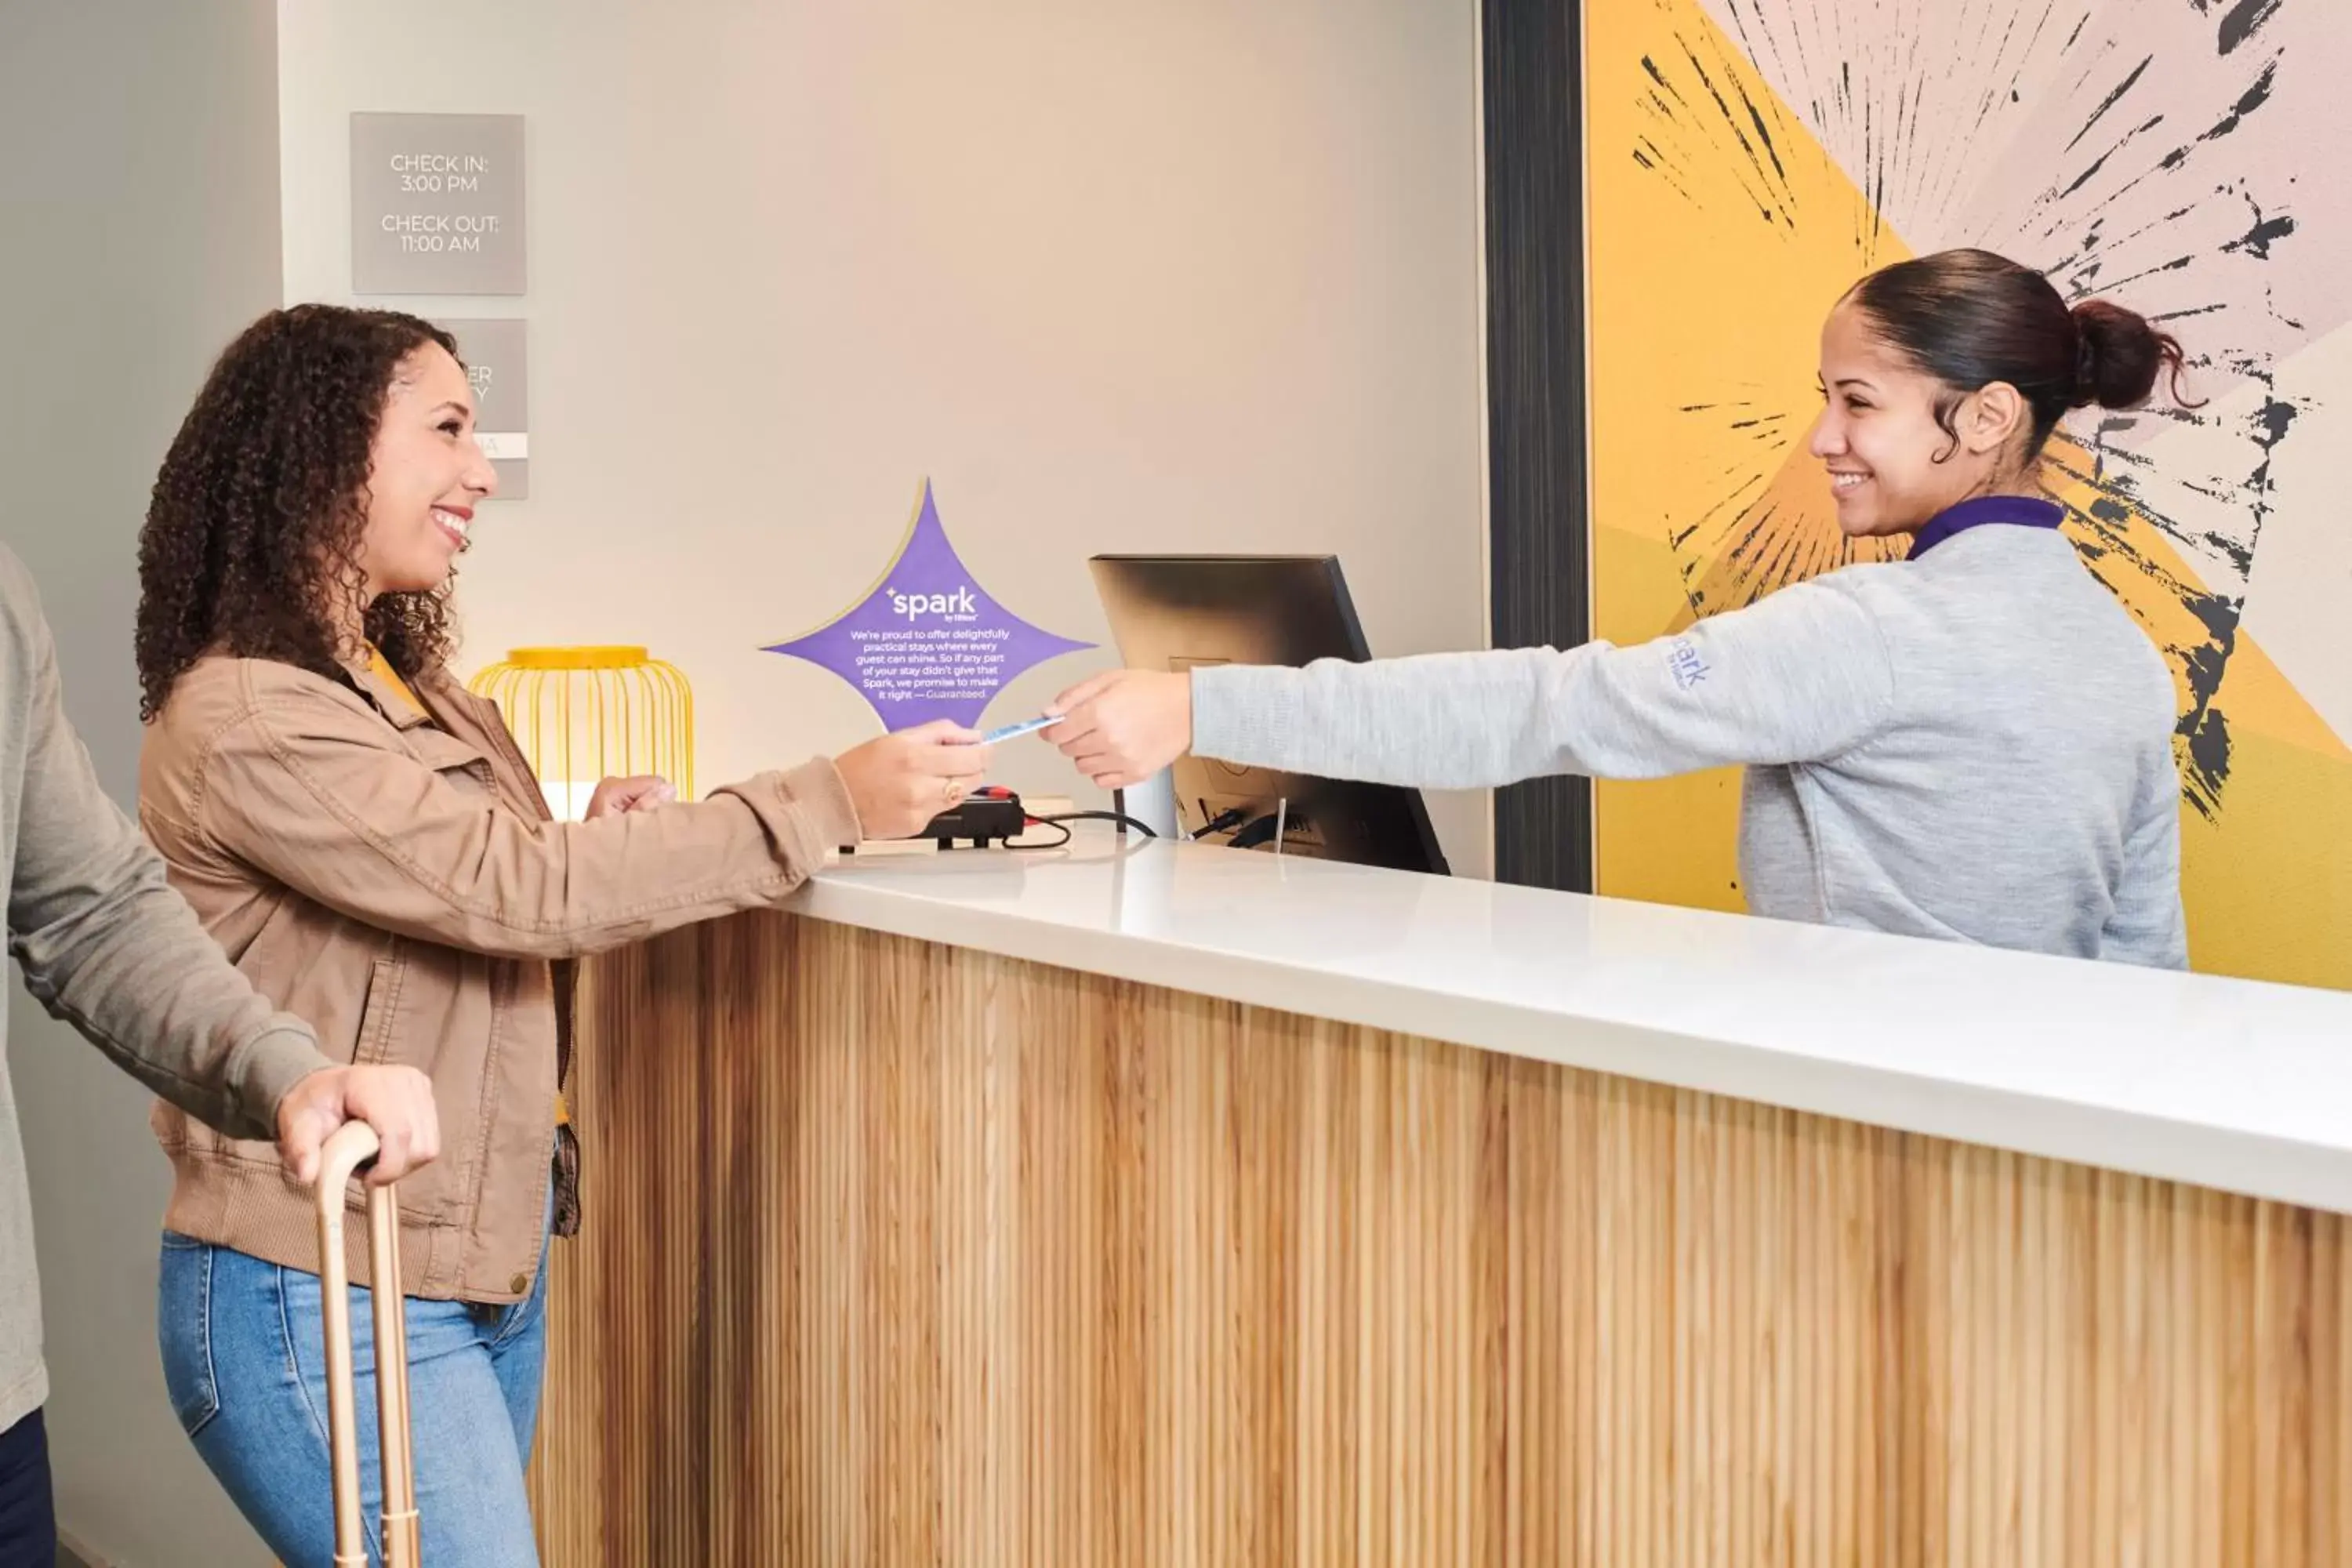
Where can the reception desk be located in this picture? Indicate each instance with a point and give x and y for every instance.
(1167, 1205)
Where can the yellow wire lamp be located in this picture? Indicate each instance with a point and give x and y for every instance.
(584, 714)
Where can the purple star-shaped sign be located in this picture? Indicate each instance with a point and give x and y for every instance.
(927, 643)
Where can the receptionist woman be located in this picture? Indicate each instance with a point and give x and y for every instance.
(1974, 744)
(368, 844)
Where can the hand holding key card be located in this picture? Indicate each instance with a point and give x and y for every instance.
(1026, 727)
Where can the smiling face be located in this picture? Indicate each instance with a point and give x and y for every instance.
(424, 475)
(1892, 465)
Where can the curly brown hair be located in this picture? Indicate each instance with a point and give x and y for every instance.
(253, 532)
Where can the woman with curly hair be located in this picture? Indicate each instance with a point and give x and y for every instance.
(363, 837)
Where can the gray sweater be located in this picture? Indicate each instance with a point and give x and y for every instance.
(1974, 746)
(106, 945)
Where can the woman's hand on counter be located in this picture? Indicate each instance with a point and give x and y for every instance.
(642, 792)
(1125, 725)
(900, 782)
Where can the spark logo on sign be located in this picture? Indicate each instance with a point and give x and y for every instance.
(955, 606)
(928, 642)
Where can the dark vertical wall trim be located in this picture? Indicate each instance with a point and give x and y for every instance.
(125, 276)
(1539, 546)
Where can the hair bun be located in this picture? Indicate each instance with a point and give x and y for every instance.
(2086, 362)
(2118, 356)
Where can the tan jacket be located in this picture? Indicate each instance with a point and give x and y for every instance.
(397, 882)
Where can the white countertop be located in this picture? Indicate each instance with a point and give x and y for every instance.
(2225, 1083)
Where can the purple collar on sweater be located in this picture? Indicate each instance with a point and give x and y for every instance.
(2021, 511)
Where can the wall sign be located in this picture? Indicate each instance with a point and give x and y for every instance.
(496, 352)
(437, 204)
(927, 643)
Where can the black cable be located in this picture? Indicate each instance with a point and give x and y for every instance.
(1059, 818)
(1061, 827)
(1231, 817)
(1259, 831)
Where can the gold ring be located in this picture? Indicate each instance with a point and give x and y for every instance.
(948, 791)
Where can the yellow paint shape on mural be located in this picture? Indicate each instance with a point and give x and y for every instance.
(1687, 290)
(2266, 882)
(1668, 841)
(1804, 519)
(1691, 283)
(2262, 701)
(1706, 313)
(2265, 885)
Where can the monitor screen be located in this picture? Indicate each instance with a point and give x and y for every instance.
(1180, 612)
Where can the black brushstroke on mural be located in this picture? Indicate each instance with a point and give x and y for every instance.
(2101, 535)
(2053, 203)
(2109, 102)
(2243, 21)
(1956, 147)
(2256, 241)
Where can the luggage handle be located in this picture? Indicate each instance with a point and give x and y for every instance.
(349, 1149)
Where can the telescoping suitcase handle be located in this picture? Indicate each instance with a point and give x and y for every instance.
(350, 1147)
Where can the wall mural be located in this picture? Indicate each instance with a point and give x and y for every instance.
(1748, 159)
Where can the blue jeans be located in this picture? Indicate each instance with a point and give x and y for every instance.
(245, 1362)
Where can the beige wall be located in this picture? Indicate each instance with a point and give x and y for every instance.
(1165, 275)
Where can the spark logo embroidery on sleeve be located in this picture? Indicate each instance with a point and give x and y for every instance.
(1684, 663)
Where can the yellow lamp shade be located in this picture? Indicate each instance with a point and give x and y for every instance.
(584, 714)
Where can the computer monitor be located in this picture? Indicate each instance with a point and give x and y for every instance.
(1180, 612)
